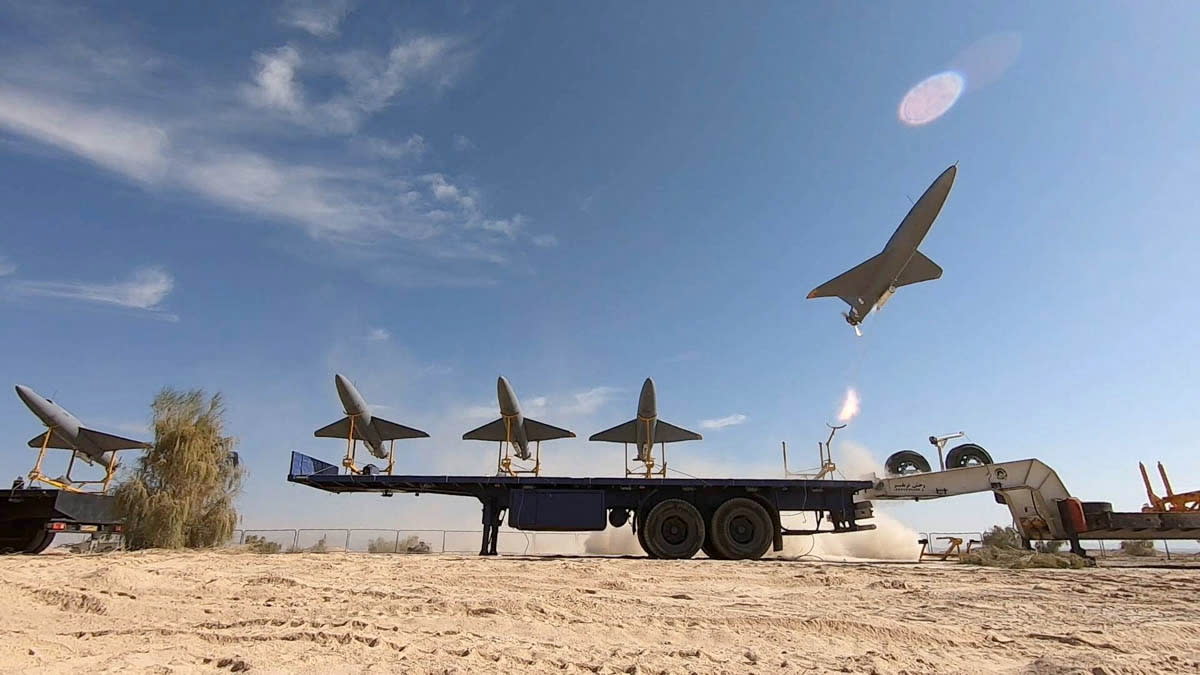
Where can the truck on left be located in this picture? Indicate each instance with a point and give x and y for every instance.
(31, 517)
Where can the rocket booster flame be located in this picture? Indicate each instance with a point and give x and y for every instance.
(850, 406)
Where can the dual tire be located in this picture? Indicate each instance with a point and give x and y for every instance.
(740, 529)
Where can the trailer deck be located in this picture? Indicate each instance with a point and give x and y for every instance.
(559, 503)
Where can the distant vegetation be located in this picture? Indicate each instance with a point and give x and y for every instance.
(1138, 547)
(259, 544)
(181, 492)
(1002, 548)
(410, 544)
(1001, 537)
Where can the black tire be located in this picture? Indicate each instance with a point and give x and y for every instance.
(709, 550)
(741, 530)
(674, 529)
(906, 462)
(1094, 508)
(25, 537)
(39, 542)
(967, 454)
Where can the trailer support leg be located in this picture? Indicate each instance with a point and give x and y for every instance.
(491, 526)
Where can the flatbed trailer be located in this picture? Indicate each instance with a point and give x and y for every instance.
(727, 518)
(31, 517)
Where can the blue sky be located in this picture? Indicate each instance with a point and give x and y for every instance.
(249, 198)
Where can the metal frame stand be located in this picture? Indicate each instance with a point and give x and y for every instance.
(504, 461)
(646, 470)
(69, 484)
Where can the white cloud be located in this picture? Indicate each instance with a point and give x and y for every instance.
(544, 240)
(462, 143)
(275, 84)
(378, 335)
(6, 268)
(588, 402)
(722, 422)
(318, 17)
(146, 290)
(114, 140)
(191, 138)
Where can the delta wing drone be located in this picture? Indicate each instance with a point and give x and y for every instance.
(645, 430)
(515, 431)
(871, 284)
(360, 425)
(65, 432)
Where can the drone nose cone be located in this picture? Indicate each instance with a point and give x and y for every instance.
(28, 396)
(648, 401)
(949, 173)
(506, 397)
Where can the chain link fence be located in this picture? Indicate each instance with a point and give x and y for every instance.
(375, 540)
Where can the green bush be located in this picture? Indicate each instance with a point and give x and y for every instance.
(181, 492)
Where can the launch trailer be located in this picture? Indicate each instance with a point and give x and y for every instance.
(29, 518)
(726, 518)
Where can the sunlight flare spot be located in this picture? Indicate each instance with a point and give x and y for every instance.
(931, 98)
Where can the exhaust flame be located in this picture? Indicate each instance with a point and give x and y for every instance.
(850, 406)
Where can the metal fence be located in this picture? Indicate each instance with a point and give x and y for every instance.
(316, 540)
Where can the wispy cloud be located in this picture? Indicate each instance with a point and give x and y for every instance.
(318, 17)
(722, 422)
(682, 357)
(588, 402)
(145, 291)
(6, 268)
(275, 83)
(462, 143)
(213, 141)
(114, 140)
(378, 335)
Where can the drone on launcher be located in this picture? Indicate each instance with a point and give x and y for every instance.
(644, 431)
(514, 432)
(360, 425)
(65, 432)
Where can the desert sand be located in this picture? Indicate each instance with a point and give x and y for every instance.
(222, 611)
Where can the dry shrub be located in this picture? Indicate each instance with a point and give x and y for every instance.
(1017, 558)
(181, 492)
(410, 544)
(1001, 537)
(1138, 547)
(259, 544)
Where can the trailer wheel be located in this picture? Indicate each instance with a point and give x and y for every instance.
(710, 550)
(39, 542)
(674, 529)
(741, 530)
(905, 462)
(967, 454)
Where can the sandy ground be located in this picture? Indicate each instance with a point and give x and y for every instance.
(226, 611)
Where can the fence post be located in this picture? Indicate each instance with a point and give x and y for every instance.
(1167, 549)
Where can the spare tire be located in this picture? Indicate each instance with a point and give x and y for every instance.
(1091, 508)
(906, 462)
(967, 454)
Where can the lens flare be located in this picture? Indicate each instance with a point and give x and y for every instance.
(931, 98)
(850, 406)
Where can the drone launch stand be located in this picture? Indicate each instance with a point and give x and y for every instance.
(648, 468)
(504, 461)
(349, 461)
(65, 482)
(824, 454)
